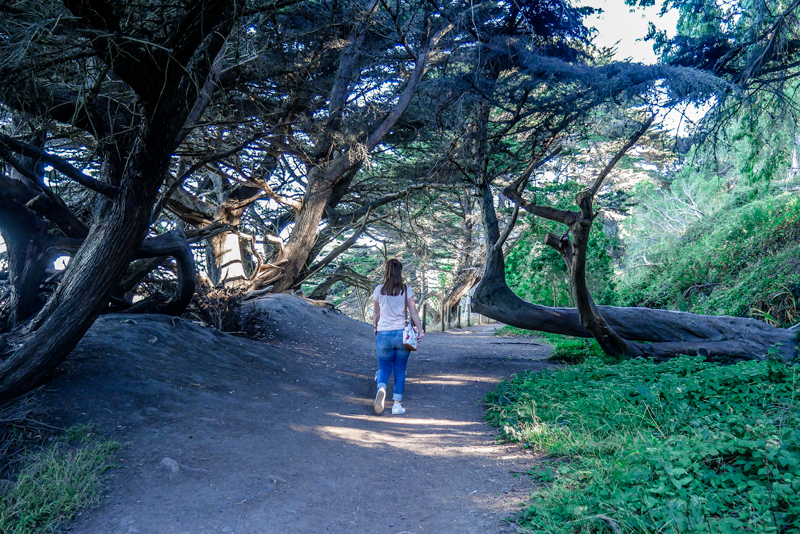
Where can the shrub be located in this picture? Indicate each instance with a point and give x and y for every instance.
(578, 350)
(742, 262)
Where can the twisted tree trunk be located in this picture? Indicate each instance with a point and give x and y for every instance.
(328, 177)
(292, 258)
(91, 276)
(224, 258)
(669, 333)
(134, 164)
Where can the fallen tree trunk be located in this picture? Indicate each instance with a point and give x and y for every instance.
(669, 333)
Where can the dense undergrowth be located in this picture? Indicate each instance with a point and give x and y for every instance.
(684, 446)
(743, 261)
(687, 445)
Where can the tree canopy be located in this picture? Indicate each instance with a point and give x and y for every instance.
(267, 145)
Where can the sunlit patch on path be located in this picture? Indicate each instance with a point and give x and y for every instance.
(284, 439)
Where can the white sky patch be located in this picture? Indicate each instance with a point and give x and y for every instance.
(624, 28)
(648, 167)
(287, 232)
(684, 119)
(61, 263)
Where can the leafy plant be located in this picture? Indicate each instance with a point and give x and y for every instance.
(577, 350)
(683, 446)
(509, 330)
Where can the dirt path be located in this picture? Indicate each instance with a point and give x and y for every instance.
(281, 437)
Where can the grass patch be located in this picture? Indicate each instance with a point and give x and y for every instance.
(566, 349)
(56, 481)
(684, 446)
(576, 350)
(547, 337)
(509, 330)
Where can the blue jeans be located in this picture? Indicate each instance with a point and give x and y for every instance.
(392, 355)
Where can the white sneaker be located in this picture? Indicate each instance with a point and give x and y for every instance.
(398, 409)
(379, 400)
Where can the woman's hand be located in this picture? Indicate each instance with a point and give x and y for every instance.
(420, 332)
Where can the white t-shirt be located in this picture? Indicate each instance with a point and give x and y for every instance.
(392, 309)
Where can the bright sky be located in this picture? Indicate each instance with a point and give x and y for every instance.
(623, 27)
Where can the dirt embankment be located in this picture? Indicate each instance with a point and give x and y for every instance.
(226, 435)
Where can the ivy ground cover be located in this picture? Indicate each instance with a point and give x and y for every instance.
(682, 446)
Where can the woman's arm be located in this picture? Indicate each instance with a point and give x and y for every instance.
(412, 310)
(376, 312)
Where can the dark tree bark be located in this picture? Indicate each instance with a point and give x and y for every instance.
(326, 175)
(164, 79)
(177, 246)
(91, 277)
(26, 240)
(292, 258)
(24, 232)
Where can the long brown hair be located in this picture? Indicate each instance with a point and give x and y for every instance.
(393, 279)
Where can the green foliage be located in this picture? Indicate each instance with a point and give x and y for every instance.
(547, 337)
(537, 273)
(578, 350)
(566, 349)
(509, 330)
(743, 261)
(56, 481)
(746, 41)
(684, 446)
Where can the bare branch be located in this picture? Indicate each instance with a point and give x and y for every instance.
(57, 163)
(508, 229)
(49, 205)
(628, 144)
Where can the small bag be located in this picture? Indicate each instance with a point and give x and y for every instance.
(410, 336)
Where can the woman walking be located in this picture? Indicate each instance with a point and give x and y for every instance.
(391, 298)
